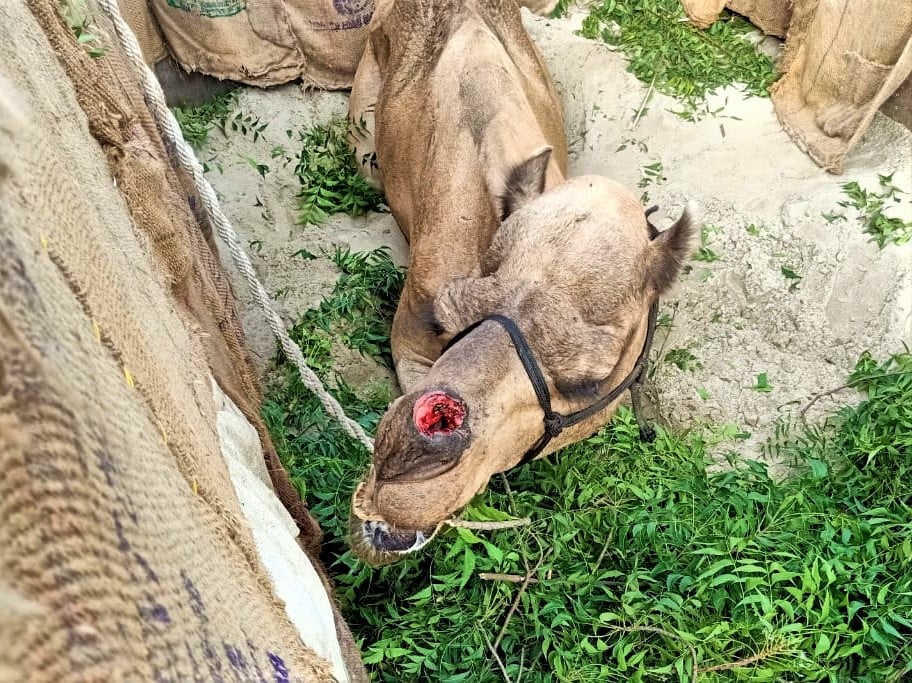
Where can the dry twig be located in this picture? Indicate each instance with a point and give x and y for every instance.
(522, 589)
(493, 649)
(636, 118)
(510, 578)
(753, 659)
(694, 671)
(848, 385)
(490, 526)
(823, 394)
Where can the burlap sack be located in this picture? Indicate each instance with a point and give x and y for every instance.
(267, 42)
(161, 201)
(703, 13)
(138, 15)
(843, 60)
(123, 552)
(770, 16)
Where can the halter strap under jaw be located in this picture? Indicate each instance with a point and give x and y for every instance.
(555, 423)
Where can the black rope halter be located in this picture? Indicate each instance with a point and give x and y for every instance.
(555, 422)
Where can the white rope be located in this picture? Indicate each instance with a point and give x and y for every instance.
(170, 131)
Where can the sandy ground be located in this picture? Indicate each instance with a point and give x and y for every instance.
(263, 210)
(738, 316)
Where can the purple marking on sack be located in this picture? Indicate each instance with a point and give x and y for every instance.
(348, 8)
(123, 545)
(252, 649)
(142, 562)
(215, 664)
(357, 22)
(213, 661)
(196, 600)
(280, 671)
(155, 612)
(191, 200)
(235, 657)
(106, 465)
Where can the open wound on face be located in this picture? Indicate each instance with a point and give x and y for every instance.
(438, 413)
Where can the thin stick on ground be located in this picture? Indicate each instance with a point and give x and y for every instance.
(639, 113)
(490, 526)
(509, 578)
(753, 659)
(660, 354)
(506, 483)
(823, 394)
(848, 385)
(493, 650)
(694, 671)
(522, 589)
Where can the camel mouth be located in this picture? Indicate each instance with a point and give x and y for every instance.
(387, 539)
(378, 543)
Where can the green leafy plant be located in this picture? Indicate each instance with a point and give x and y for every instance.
(261, 169)
(650, 174)
(560, 9)
(247, 124)
(704, 253)
(358, 313)
(329, 177)
(790, 275)
(763, 384)
(676, 57)
(683, 360)
(634, 142)
(872, 205)
(638, 564)
(79, 19)
(196, 122)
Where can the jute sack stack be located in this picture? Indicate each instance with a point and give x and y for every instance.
(124, 554)
(263, 42)
(267, 42)
(843, 59)
(163, 204)
(770, 16)
(138, 15)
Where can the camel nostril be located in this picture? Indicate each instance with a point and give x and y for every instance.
(438, 413)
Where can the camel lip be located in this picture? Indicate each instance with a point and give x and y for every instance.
(388, 539)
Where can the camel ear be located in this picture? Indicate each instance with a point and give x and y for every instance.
(524, 182)
(465, 301)
(670, 249)
(577, 354)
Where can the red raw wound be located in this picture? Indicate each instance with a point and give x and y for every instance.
(438, 413)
